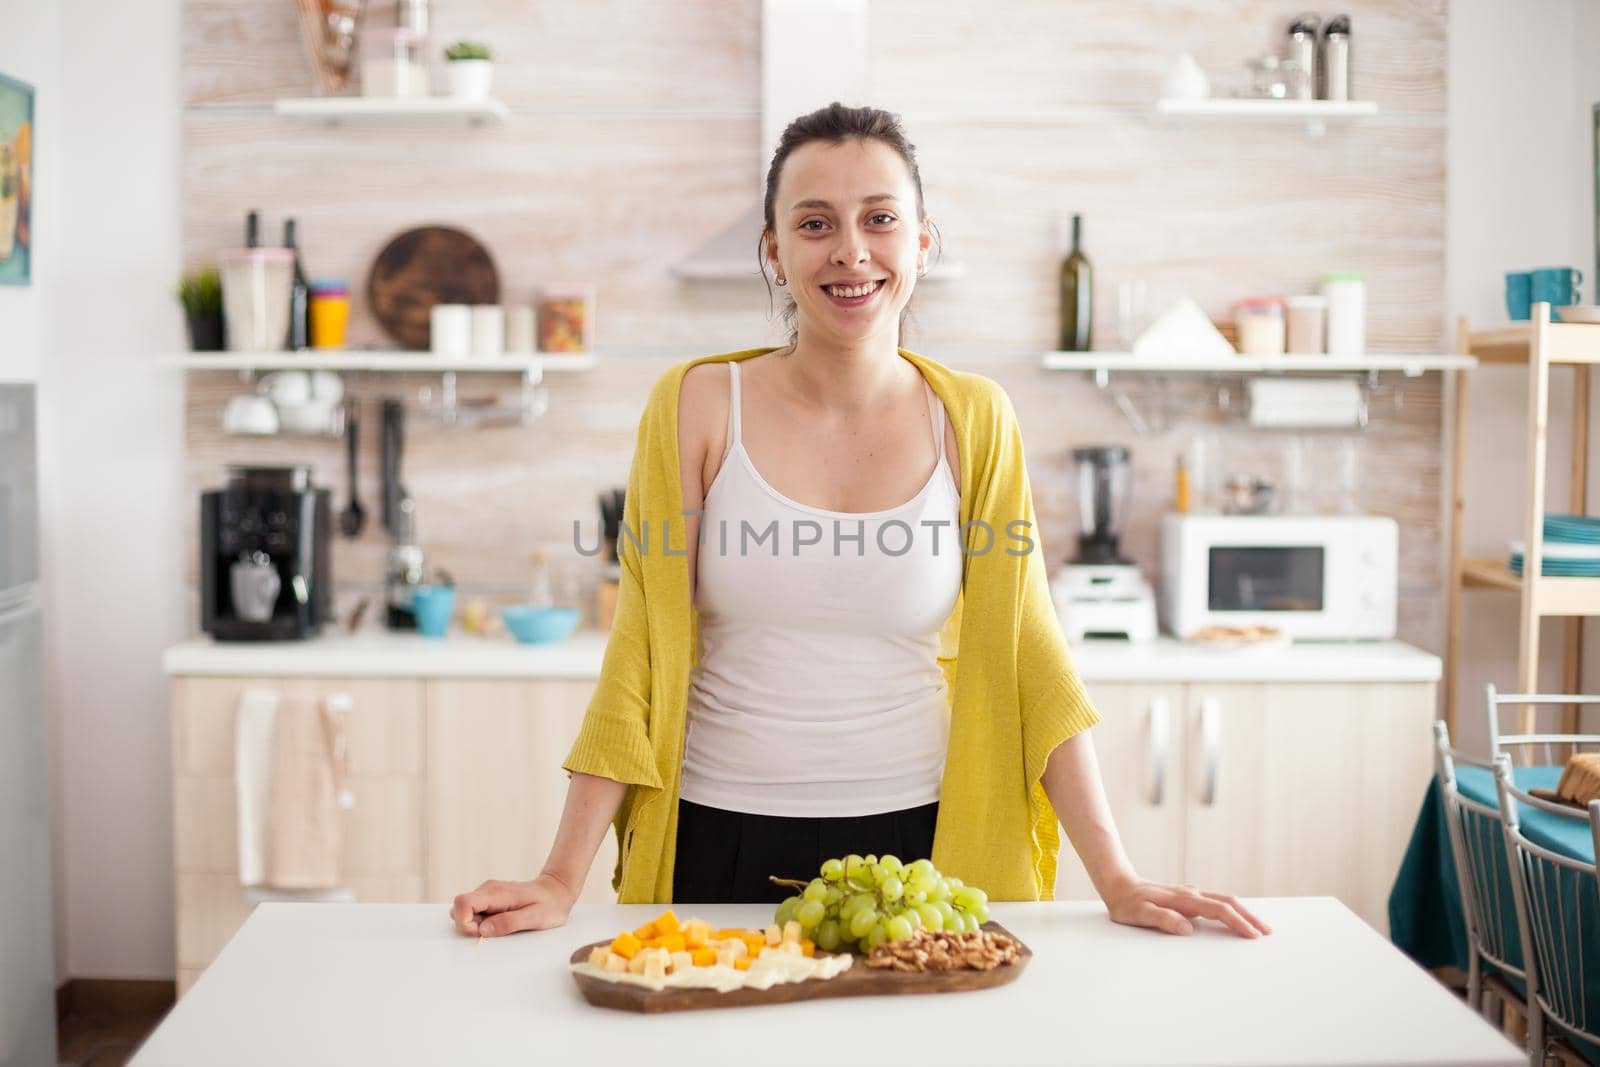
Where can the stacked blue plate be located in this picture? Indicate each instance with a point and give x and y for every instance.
(1571, 547)
(1572, 529)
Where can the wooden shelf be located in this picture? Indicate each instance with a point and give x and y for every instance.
(378, 110)
(1489, 574)
(382, 361)
(1409, 363)
(1570, 342)
(1552, 596)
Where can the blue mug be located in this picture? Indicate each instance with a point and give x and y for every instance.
(1519, 295)
(1557, 286)
(433, 606)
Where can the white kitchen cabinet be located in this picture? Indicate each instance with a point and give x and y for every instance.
(1276, 789)
(495, 785)
(382, 839)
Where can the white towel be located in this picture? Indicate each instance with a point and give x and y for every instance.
(1306, 402)
(252, 772)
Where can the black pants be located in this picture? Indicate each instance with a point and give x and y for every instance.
(724, 857)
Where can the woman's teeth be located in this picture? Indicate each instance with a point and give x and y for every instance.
(847, 291)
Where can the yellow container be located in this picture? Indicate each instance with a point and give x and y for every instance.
(330, 314)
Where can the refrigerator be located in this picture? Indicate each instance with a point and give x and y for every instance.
(27, 963)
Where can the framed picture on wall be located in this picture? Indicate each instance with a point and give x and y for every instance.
(16, 181)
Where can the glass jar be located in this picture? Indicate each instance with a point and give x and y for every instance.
(1307, 316)
(394, 63)
(566, 318)
(256, 285)
(1260, 324)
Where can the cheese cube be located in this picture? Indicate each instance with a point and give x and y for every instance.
(790, 948)
(681, 961)
(616, 964)
(598, 954)
(774, 935)
(655, 967)
(696, 934)
(626, 945)
(791, 931)
(636, 965)
(704, 957)
(667, 923)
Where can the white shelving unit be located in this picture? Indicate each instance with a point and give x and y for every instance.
(1104, 364)
(1316, 114)
(377, 110)
(383, 361)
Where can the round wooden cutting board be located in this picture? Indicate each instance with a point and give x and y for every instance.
(423, 267)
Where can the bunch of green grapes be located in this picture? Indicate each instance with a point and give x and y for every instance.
(860, 902)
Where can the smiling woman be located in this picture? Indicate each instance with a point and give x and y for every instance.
(881, 692)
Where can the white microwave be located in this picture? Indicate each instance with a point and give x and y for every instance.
(1315, 577)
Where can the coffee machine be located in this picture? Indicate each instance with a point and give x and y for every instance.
(1099, 593)
(266, 565)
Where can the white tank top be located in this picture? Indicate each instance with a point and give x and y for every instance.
(817, 690)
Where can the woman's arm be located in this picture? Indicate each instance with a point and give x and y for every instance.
(1072, 782)
(547, 900)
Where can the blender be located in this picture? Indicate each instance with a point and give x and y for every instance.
(1098, 594)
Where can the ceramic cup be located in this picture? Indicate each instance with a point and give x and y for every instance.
(1519, 295)
(1556, 286)
(433, 605)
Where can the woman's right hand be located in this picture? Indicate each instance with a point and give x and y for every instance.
(496, 908)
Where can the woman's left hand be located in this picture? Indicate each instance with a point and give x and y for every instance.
(1172, 909)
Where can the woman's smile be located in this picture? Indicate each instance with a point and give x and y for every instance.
(852, 296)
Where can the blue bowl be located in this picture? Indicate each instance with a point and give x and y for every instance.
(539, 626)
(433, 606)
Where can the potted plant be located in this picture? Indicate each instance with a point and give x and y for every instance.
(201, 295)
(471, 70)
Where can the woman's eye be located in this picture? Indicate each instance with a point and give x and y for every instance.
(884, 215)
(807, 224)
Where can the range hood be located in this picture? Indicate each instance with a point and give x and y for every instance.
(797, 77)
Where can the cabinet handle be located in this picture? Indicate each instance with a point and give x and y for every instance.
(1211, 736)
(1160, 735)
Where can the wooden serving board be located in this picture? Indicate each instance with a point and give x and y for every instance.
(859, 981)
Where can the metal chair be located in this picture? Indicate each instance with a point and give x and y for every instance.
(1549, 889)
(1483, 876)
(1528, 745)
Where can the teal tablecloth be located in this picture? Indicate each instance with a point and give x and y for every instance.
(1425, 917)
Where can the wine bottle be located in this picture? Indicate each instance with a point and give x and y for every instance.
(1077, 294)
(299, 297)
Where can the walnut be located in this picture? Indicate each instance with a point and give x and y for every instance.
(927, 950)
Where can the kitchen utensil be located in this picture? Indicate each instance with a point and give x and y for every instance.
(1303, 51)
(1333, 64)
(256, 285)
(1346, 293)
(393, 445)
(433, 605)
(534, 625)
(353, 518)
(250, 414)
(423, 267)
(254, 583)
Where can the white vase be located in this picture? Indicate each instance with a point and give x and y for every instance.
(470, 79)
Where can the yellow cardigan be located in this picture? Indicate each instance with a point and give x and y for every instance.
(1013, 692)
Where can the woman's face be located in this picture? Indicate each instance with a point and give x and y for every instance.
(848, 242)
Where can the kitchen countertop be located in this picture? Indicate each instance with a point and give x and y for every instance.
(381, 653)
(394, 984)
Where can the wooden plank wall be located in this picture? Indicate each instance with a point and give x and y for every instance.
(633, 141)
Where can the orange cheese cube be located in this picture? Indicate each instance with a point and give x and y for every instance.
(647, 932)
(696, 934)
(704, 957)
(754, 941)
(807, 948)
(671, 942)
(742, 963)
(627, 946)
(727, 932)
(667, 923)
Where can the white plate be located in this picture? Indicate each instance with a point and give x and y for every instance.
(1589, 313)
(1561, 550)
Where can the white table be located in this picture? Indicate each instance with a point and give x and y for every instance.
(394, 984)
